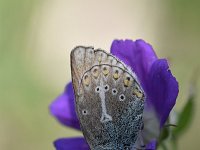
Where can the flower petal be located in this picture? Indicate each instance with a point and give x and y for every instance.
(154, 75)
(162, 89)
(151, 146)
(78, 143)
(138, 55)
(63, 108)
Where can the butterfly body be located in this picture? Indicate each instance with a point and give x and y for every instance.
(109, 99)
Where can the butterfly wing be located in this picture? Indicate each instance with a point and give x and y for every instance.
(109, 99)
(81, 60)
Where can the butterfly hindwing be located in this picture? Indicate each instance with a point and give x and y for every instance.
(109, 99)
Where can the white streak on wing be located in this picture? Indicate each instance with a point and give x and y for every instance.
(104, 117)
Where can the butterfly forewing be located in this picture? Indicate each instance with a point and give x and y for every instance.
(109, 99)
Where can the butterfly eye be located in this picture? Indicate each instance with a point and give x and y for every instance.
(122, 97)
(106, 87)
(84, 112)
(114, 91)
(97, 89)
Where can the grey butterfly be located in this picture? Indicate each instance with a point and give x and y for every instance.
(109, 99)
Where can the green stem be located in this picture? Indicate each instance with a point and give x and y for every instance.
(164, 147)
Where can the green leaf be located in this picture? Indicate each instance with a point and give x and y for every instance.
(185, 117)
(163, 135)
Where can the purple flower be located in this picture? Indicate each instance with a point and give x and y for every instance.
(155, 77)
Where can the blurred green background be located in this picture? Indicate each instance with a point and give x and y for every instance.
(36, 37)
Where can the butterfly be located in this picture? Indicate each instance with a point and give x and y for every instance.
(109, 99)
